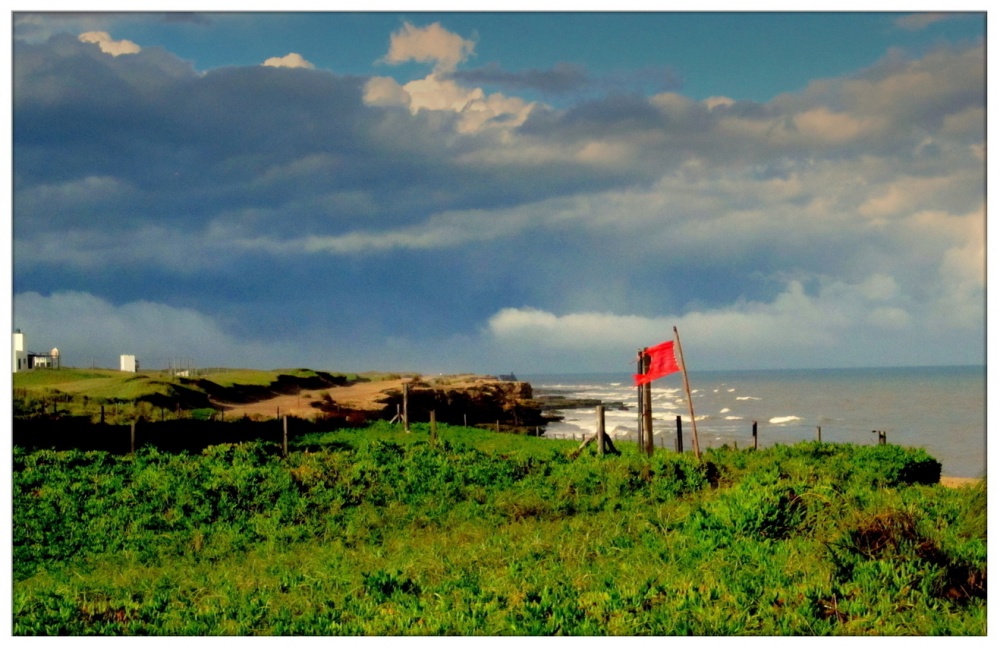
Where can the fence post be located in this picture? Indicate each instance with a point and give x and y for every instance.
(600, 430)
(132, 439)
(755, 435)
(284, 435)
(647, 405)
(679, 442)
(406, 407)
(819, 434)
(434, 427)
(881, 436)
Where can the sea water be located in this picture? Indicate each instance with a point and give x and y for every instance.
(940, 409)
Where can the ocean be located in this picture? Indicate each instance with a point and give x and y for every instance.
(940, 409)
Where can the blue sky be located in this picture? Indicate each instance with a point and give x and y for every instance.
(446, 192)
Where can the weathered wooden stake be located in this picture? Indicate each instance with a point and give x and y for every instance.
(132, 439)
(819, 433)
(102, 413)
(755, 435)
(881, 436)
(647, 408)
(600, 430)
(434, 427)
(406, 407)
(284, 435)
(639, 398)
(679, 442)
(498, 425)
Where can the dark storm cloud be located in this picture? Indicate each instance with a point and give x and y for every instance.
(247, 200)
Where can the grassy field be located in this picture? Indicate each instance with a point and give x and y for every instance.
(80, 392)
(378, 532)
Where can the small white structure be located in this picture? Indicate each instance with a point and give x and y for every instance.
(128, 363)
(20, 352)
(22, 359)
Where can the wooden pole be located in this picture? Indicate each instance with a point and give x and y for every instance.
(284, 435)
(819, 434)
(687, 388)
(102, 413)
(679, 444)
(639, 401)
(434, 427)
(600, 430)
(406, 407)
(647, 409)
(755, 435)
(132, 439)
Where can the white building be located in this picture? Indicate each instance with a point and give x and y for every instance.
(20, 352)
(128, 363)
(22, 359)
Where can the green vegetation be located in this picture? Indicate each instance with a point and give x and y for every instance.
(79, 392)
(378, 532)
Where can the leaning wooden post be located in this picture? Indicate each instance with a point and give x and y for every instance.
(600, 430)
(406, 407)
(102, 413)
(679, 443)
(434, 427)
(819, 434)
(687, 388)
(755, 435)
(284, 435)
(132, 440)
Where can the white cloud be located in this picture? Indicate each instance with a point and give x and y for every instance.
(385, 91)
(431, 44)
(108, 45)
(858, 324)
(290, 60)
(85, 327)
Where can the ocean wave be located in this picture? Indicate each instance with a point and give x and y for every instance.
(724, 411)
(784, 420)
(748, 398)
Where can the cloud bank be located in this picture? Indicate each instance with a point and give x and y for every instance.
(431, 221)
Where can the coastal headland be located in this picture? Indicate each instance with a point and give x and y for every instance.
(321, 397)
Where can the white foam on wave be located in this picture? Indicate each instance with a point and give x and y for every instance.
(733, 417)
(784, 420)
(731, 390)
(724, 411)
(748, 398)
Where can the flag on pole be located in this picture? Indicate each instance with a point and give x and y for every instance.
(661, 363)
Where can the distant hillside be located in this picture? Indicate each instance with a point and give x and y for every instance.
(71, 386)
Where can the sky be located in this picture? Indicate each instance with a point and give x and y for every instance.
(500, 192)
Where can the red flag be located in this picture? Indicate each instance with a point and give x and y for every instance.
(661, 363)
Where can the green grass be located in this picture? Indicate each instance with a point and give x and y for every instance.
(80, 392)
(380, 532)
